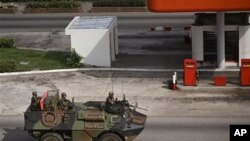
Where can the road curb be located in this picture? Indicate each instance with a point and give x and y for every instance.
(11, 121)
(88, 69)
(229, 89)
(110, 69)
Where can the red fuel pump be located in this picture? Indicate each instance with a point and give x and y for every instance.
(245, 72)
(190, 72)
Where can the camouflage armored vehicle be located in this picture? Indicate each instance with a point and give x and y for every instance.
(88, 121)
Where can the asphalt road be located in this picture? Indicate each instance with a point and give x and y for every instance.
(161, 129)
(126, 23)
(46, 32)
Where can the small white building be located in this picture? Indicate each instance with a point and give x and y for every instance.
(95, 39)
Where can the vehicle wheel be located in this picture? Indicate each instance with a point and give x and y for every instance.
(51, 137)
(110, 137)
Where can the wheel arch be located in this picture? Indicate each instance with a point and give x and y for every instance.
(113, 132)
(55, 134)
(43, 132)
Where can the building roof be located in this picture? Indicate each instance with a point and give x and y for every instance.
(93, 22)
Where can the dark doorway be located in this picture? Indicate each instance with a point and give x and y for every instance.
(210, 46)
(231, 46)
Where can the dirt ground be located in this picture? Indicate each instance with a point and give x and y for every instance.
(151, 92)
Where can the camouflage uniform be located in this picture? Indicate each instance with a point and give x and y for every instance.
(110, 103)
(63, 102)
(34, 105)
(110, 99)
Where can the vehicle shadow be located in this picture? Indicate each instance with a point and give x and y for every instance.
(15, 134)
(18, 134)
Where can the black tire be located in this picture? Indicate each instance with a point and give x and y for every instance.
(110, 137)
(51, 137)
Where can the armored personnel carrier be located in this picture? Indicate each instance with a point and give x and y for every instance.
(88, 121)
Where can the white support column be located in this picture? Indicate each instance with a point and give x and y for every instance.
(220, 19)
(197, 43)
(244, 42)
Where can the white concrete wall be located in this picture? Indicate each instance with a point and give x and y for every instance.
(244, 42)
(197, 43)
(93, 45)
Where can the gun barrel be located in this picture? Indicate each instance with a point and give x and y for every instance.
(142, 108)
(138, 107)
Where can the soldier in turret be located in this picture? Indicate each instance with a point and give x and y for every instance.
(110, 103)
(110, 99)
(63, 102)
(34, 104)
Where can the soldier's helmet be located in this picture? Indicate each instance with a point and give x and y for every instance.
(111, 93)
(34, 93)
(63, 94)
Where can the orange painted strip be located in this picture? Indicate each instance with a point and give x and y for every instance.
(198, 5)
(42, 100)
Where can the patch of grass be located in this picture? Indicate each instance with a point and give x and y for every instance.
(53, 4)
(6, 43)
(75, 59)
(27, 60)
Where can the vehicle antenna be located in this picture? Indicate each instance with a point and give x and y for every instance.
(124, 97)
(112, 80)
(122, 87)
(136, 100)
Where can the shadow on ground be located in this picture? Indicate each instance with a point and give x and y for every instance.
(15, 134)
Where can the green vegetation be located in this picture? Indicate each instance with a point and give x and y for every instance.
(7, 66)
(75, 3)
(75, 59)
(12, 59)
(38, 0)
(119, 3)
(6, 43)
(7, 5)
(54, 4)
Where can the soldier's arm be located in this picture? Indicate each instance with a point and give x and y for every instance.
(109, 101)
(112, 101)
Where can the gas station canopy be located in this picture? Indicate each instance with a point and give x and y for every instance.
(198, 5)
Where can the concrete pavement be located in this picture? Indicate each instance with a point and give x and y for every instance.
(12, 121)
(149, 88)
